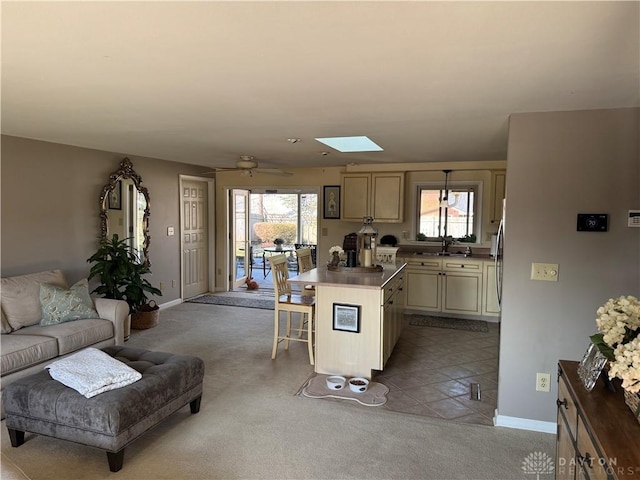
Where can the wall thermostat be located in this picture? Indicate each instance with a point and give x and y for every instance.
(634, 218)
(592, 222)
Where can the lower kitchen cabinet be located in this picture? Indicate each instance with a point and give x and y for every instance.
(490, 306)
(392, 314)
(423, 285)
(462, 286)
(444, 285)
(597, 436)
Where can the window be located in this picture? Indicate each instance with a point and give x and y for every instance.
(457, 220)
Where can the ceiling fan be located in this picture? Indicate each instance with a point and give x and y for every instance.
(248, 165)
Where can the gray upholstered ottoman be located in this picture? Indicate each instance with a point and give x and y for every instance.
(110, 420)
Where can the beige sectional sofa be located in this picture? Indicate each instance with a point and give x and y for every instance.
(27, 346)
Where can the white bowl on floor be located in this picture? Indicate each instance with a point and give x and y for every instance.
(336, 382)
(358, 384)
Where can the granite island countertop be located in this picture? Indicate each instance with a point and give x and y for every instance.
(322, 276)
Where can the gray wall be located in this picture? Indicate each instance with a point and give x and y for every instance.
(50, 206)
(561, 164)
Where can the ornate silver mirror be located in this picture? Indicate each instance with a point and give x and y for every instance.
(124, 210)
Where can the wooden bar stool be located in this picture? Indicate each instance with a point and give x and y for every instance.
(305, 263)
(286, 301)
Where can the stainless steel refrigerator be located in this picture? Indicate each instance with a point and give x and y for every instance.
(498, 255)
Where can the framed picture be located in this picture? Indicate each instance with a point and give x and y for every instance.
(331, 201)
(591, 366)
(115, 197)
(346, 317)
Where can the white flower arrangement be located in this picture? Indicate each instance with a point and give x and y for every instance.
(619, 339)
(336, 249)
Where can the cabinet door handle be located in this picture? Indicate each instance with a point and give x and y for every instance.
(563, 402)
(461, 266)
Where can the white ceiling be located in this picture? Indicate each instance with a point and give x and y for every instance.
(206, 82)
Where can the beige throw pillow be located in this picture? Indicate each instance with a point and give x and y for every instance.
(21, 296)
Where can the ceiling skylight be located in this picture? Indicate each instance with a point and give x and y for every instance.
(351, 144)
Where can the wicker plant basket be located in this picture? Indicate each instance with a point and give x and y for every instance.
(146, 317)
(633, 402)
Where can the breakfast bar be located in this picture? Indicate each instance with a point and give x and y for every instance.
(359, 317)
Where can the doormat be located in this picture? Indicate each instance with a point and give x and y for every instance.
(316, 387)
(235, 300)
(446, 322)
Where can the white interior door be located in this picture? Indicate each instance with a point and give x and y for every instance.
(239, 245)
(195, 239)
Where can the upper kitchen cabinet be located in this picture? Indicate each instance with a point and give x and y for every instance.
(378, 195)
(498, 187)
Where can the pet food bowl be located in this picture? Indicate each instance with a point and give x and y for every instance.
(336, 382)
(358, 384)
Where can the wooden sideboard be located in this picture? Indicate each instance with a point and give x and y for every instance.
(598, 437)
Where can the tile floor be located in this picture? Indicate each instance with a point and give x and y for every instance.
(431, 370)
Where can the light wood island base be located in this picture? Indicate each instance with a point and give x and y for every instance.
(361, 347)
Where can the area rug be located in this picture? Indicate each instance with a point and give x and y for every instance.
(235, 300)
(316, 387)
(445, 322)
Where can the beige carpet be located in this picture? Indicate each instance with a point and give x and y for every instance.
(253, 426)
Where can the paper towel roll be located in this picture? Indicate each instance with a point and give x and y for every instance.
(367, 258)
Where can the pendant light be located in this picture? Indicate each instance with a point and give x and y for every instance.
(444, 203)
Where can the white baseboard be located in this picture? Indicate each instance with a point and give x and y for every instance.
(524, 424)
(172, 303)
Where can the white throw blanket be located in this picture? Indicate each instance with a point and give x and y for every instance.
(92, 371)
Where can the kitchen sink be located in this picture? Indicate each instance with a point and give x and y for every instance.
(439, 254)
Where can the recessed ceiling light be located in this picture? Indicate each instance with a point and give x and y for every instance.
(351, 144)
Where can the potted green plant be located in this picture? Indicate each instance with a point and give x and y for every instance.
(120, 272)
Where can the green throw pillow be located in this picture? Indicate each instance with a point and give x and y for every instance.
(60, 305)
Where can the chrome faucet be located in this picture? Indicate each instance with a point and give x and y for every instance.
(446, 241)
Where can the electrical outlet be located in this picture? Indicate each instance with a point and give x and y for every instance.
(543, 382)
(173, 284)
(547, 272)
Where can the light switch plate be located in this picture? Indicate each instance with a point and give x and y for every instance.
(547, 272)
(170, 231)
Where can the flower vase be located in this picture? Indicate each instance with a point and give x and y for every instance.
(633, 402)
(335, 259)
(278, 248)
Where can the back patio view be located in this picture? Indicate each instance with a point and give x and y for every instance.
(277, 223)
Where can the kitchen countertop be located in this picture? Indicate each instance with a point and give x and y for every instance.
(408, 251)
(322, 276)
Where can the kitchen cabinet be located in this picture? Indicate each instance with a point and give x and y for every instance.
(498, 192)
(423, 285)
(597, 435)
(378, 195)
(392, 314)
(490, 307)
(448, 285)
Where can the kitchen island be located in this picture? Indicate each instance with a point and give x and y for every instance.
(359, 317)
